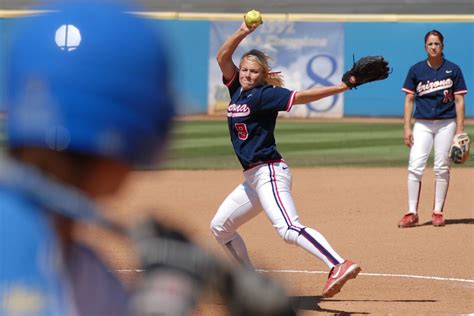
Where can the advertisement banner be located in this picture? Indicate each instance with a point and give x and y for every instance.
(308, 54)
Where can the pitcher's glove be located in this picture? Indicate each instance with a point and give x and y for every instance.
(459, 150)
(366, 69)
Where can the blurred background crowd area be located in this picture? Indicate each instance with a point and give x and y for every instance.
(294, 6)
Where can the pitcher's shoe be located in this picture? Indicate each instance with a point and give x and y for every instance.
(437, 219)
(408, 220)
(338, 276)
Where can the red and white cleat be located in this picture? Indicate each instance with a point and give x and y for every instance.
(338, 276)
(438, 220)
(408, 220)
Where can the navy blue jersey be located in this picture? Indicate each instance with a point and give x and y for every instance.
(434, 89)
(251, 118)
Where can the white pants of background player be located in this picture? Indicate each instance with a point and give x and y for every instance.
(267, 186)
(426, 134)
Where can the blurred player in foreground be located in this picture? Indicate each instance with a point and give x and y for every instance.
(436, 88)
(256, 98)
(87, 100)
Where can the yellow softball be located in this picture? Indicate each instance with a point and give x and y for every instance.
(253, 17)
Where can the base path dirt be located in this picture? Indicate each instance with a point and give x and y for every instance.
(421, 270)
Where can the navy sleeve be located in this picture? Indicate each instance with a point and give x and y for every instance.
(410, 81)
(459, 83)
(276, 99)
(233, 84)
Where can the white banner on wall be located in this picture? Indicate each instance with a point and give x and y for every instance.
(308, 54)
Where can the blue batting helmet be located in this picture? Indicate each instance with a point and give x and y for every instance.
(89, 77)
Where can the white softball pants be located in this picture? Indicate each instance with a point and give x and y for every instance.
(426, 134)
(268, 187)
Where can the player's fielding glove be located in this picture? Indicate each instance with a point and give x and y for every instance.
(366, 69)
(459, 150)
(177, 273)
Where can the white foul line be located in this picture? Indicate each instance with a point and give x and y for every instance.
(408, 276)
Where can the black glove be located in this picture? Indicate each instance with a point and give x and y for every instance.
(366, 69)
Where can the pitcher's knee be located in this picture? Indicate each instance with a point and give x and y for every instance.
(220, 232)
(288, 233)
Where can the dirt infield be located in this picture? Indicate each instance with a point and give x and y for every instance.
(422, 270)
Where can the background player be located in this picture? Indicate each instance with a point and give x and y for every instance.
(256, 99)
(436, 87)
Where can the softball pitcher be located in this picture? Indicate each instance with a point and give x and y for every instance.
(256, 97)
(436, 87)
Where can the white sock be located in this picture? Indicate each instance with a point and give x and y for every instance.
(414, 188)
(441, 189)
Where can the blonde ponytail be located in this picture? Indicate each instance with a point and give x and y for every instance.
(275, 78)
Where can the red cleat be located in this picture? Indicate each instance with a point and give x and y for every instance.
(408, 220)
(338, 276)
(438, 220)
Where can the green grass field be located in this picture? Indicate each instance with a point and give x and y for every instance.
(206, 145)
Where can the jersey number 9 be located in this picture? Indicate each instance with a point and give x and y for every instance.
(241, 131)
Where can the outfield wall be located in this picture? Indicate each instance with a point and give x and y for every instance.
(401, 42)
